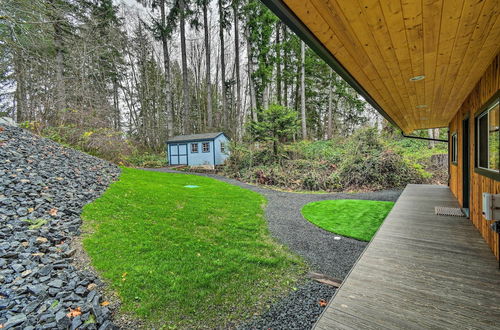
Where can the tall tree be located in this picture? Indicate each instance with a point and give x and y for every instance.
(223, 23)
(303, 89)
(208, 69)
(278, 62)
(165, 34)
(238, 110)
(185, 82)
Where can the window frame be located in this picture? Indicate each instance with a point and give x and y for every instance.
(207, 144)
(484, 110)
(454, 148)
(223, 147)
(197, 148)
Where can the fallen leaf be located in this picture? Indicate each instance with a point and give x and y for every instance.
(53, 212)
(74, 312)
(105, 303)
(322, 303)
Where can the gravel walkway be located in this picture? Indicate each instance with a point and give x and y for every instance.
(43, 187)
(327, 255)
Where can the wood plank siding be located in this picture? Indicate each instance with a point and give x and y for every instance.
(420, 271)
(385, 43)
(487, 86)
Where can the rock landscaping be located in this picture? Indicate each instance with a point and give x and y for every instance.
(43, 187)
(297, 311)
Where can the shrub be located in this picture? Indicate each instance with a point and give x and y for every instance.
(148, 160)
(366, 163)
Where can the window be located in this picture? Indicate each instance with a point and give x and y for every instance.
(205, 147)
(454, 148)
(488, 138)
(222, 147)
(194, 148)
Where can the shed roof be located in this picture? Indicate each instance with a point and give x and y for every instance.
(194, 137)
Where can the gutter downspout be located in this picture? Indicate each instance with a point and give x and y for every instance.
(422, 138)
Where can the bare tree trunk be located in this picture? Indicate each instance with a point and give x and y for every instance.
(253, 99)
(303, 90)
(265, 96)
(20, 93)
(60, 101)
(278, 63)
(239, 125)
(329, 122)
(223, 63)
(166, 66)
(185, 81)
(116, 106)
(285, 60)
(207, 62)
(431, 135)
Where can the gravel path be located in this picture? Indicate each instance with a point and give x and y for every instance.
(327, 255)
(43, 187)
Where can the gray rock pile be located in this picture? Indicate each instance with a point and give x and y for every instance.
(298, 311)
(43, 187)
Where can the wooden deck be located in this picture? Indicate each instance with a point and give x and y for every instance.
(421, 271)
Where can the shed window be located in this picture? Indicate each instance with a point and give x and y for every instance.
(488, 138)
(222, 147)
(205, 146)
(454, 148)
(194, 148)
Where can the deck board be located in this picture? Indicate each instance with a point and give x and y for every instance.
(421, 271)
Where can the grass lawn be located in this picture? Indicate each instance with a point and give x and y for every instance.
(186, 257)
(358, 219)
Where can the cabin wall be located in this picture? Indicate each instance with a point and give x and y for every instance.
(201, 158)
(220, 156)
(488, 85)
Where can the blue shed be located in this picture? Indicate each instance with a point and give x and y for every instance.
(208, 149)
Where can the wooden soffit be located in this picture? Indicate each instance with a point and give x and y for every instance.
(382, 44)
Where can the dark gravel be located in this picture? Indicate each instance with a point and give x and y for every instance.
(297, 311)
(43, 187)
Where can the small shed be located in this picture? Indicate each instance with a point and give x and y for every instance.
(208, 149)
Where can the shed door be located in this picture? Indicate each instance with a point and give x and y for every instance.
(178, 154)
(183, 154)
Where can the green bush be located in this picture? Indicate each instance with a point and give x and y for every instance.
(148, 160)
(367, 164)
(319, 150)
(362, 161)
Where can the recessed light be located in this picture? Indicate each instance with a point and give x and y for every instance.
(417, 78)
(421, 106)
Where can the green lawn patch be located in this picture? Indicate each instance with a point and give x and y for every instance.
(358, 219)
(182, 257)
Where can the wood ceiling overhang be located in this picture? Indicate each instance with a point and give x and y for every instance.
(379, 45)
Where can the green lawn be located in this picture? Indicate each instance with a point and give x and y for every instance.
(358, 219)
(186, 257)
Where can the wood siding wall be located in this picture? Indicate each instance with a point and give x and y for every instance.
(487, 86)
